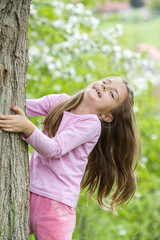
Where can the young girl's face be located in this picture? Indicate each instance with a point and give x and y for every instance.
(105, 95)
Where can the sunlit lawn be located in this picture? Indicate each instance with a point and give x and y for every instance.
(137, 31)
(144, 31)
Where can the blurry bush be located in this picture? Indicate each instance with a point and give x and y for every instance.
(69, 49)
(154, 5)
(137, 3)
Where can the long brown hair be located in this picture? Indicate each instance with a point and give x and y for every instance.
(112, 162)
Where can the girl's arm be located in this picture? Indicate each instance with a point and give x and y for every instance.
(70, 138)
(35, 107)
(41, 106)
(87, 130)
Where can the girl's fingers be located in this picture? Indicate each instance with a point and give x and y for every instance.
(5, 126)
(18, 110)
(7, 129)
(5, 122)
(5, 117)
(8, 117)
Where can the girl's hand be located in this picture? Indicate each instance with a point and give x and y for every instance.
(16, 123)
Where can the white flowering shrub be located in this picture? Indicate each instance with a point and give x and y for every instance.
(68, 46)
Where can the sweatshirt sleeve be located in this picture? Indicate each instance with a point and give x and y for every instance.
(72, 137)
(41, 106)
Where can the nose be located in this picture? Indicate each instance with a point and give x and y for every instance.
(105, 87)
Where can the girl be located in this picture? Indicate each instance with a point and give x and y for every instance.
(88, 140)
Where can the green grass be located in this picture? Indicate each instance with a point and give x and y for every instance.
(135, 30)
(142, 32)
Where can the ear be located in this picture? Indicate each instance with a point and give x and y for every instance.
(106, 117)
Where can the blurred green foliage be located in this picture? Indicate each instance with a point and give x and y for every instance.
(94, 3)
(137, 3)
(140, 219)
(154, 5)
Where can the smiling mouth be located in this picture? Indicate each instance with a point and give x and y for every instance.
(98, 92)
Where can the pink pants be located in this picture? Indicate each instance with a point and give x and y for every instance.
(51, 220)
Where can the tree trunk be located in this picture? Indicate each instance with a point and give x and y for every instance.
(14, 164)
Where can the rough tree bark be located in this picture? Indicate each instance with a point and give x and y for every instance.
(14, 169)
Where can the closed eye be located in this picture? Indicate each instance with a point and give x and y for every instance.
(112, 94)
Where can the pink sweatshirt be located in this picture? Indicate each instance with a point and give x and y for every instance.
(58, 164)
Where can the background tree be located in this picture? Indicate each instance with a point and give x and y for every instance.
(14, 170)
